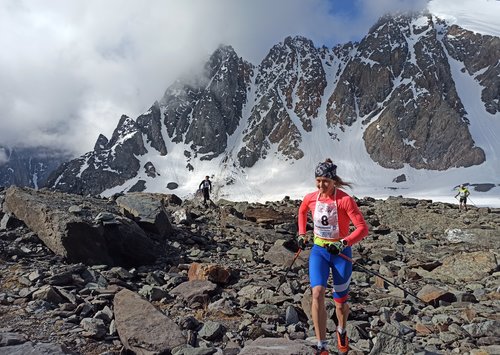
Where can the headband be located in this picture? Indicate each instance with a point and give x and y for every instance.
(328, 170)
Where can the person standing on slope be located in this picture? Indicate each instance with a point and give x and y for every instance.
(463, 192)
(206, 186)
(332, 211)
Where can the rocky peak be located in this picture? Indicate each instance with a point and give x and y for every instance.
(125, 126)
(290, 85)
(294, 67)
(203, 110)
(151, 125)
(101, 143)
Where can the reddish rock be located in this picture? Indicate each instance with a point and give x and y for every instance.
(209, 272)
(433, 294)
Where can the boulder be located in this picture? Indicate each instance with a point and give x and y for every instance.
(147, 209)
(390, 340)
(278, 254)
(433, 294)
(79, 238)
(142, 328)
(194, 291)
(466, 266)
(35, 349)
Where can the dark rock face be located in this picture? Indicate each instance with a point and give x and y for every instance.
(208, 109)
(479, 54)
(107, 167)
(150, 124)
(422, 121)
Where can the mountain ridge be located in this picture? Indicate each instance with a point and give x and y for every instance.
(245, 114)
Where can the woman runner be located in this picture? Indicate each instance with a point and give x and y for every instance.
(332, 211)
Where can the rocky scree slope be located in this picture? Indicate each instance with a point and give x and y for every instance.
(212, 285)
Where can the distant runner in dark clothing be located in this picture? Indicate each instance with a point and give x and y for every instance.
(206, 186)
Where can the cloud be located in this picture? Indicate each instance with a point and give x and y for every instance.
(70, 69)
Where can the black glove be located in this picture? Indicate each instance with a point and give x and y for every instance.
(302, 242)
(336, 248)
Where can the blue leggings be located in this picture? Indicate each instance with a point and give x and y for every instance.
(320, 264)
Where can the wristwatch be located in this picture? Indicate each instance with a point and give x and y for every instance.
(344, 243)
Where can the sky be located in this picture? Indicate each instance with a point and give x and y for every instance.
(70, 69)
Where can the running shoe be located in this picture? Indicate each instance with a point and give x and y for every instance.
(342, 343)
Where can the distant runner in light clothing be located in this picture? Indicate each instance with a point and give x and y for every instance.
(463, 192)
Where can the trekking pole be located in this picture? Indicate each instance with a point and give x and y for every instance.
(473, 204)
(354, 262)
(289, 268)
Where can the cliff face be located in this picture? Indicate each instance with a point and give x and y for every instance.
(422, 121)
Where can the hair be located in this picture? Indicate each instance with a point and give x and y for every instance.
(337, 179)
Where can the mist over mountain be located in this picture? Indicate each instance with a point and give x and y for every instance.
(28, 166)
(414, 103)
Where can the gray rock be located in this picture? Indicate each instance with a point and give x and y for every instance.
(291, 316)
(142, 328)
(466, 266)
(279, 255)
(194, 290)
(390, 340)
(211, 331)
(49, 294)
(152, 293)
(93, 327)
(489, 328)
(30, 348)
(148, 211)
(9, 338)
(277, 346)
